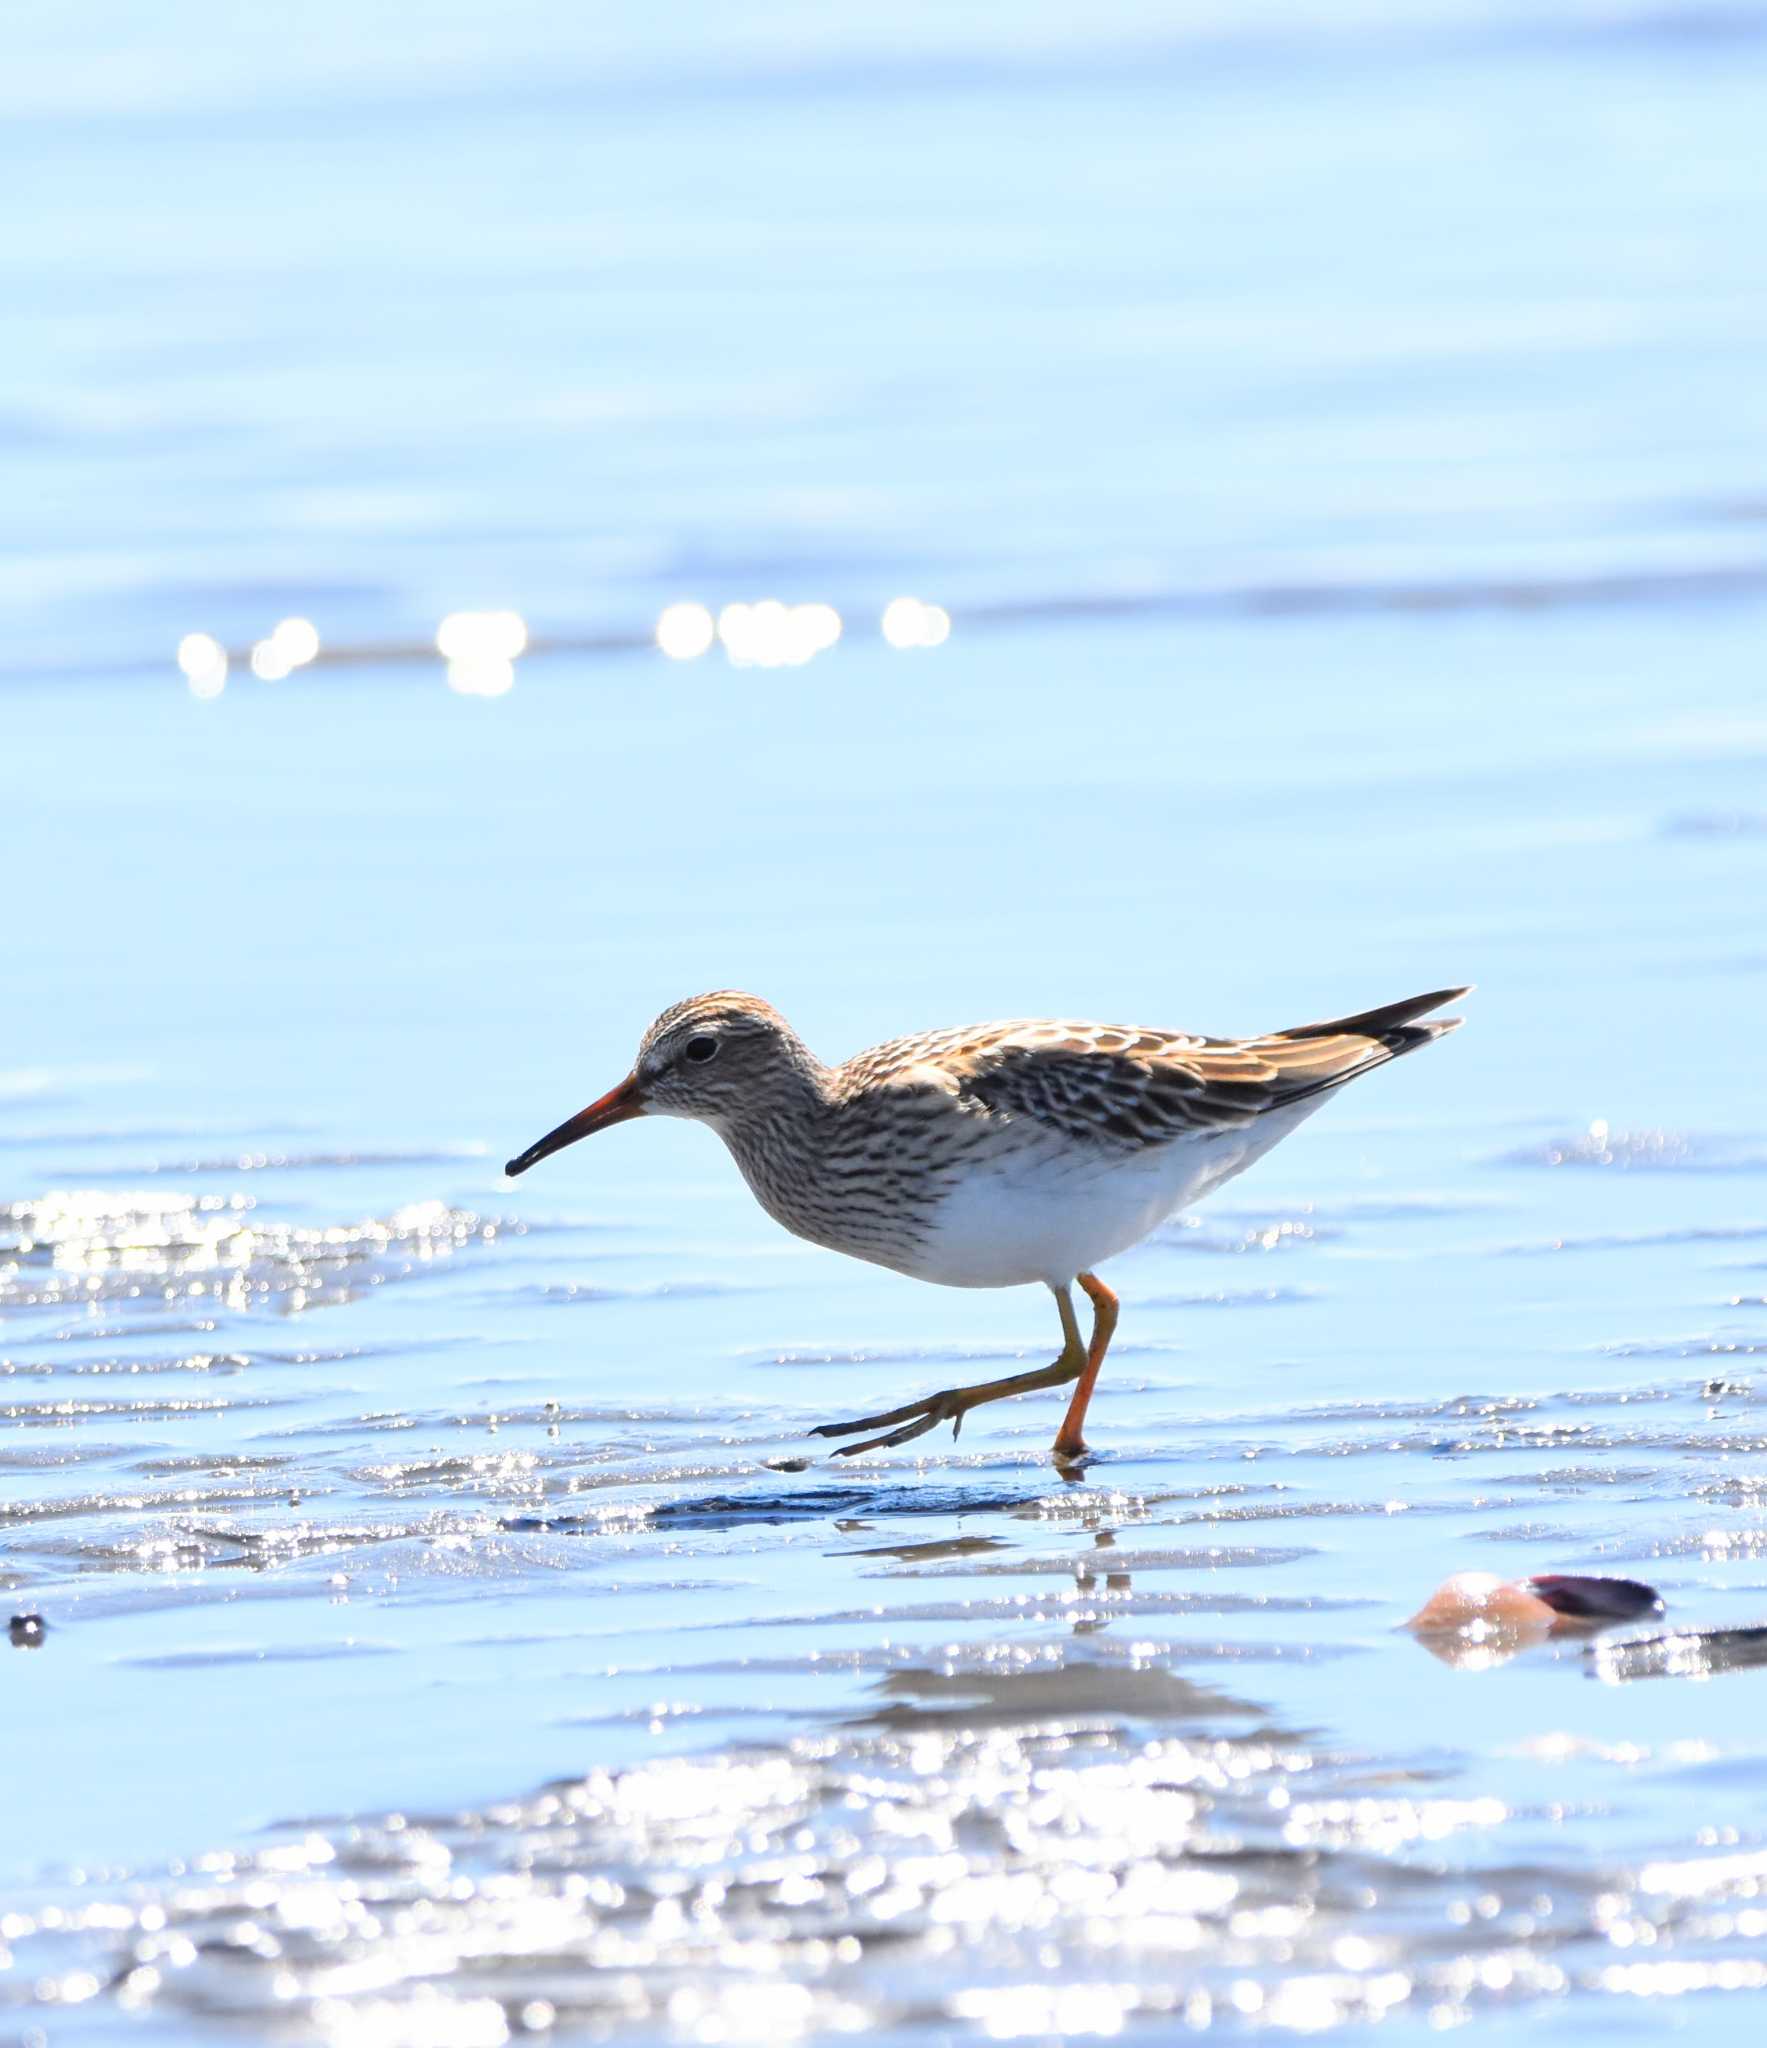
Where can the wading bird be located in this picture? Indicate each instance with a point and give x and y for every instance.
(993, 1156)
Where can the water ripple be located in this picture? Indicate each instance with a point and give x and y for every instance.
(83, 1248)
(985, 1855)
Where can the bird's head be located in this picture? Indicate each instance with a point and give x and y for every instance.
(711, 1058)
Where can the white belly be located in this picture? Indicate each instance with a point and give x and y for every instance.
(1047, 1213)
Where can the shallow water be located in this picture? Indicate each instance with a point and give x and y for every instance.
(1340, 455)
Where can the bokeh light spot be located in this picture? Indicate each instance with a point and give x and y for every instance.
(775, 635)
(204, 662)
(296, 640)
(685, 631)
(482, 636)
(911, 622)
(481, 675)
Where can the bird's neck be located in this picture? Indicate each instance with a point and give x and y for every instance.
(780, 1137)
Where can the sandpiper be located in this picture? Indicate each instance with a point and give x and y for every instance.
(995, 1156)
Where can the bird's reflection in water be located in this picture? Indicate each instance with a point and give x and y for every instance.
(1087, 1580)
(919, 1697)
(927, 1553)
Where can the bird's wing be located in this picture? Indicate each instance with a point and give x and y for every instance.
(1122, 1090)
(1125, 1089)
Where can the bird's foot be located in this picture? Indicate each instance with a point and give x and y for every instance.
(912, 1420)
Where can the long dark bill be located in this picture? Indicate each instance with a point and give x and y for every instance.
(615, 1107)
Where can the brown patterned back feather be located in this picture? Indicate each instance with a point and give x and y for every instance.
(1126, 1089)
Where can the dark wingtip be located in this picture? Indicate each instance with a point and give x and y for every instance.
(515, 1167)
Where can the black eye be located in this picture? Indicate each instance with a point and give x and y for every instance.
(701, 1048)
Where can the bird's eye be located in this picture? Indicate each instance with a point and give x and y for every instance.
(701, 1049)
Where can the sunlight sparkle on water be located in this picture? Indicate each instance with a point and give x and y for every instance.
(481, 649)
(204, 662)
(293, 644)
(297, 641)
(481, 675)
(482, 636)
(685, 631)
(910, 622)
(775, 635)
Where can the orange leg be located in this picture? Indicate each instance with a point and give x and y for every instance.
(1069, 1442)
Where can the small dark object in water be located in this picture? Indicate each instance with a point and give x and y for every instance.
(1584, 1599)
(786, 1464)
(1482, 1599)
(1681, 1653)
(26, 1631)
(1544, 1600)
(1476, 1620)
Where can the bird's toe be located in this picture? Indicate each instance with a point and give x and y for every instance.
(884, 1420)
(891, 1437)
(899, 1425)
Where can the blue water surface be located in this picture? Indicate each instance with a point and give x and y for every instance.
(1339, 449)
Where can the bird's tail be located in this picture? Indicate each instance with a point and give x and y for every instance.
(1313, 1058)
(1393, 1025)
